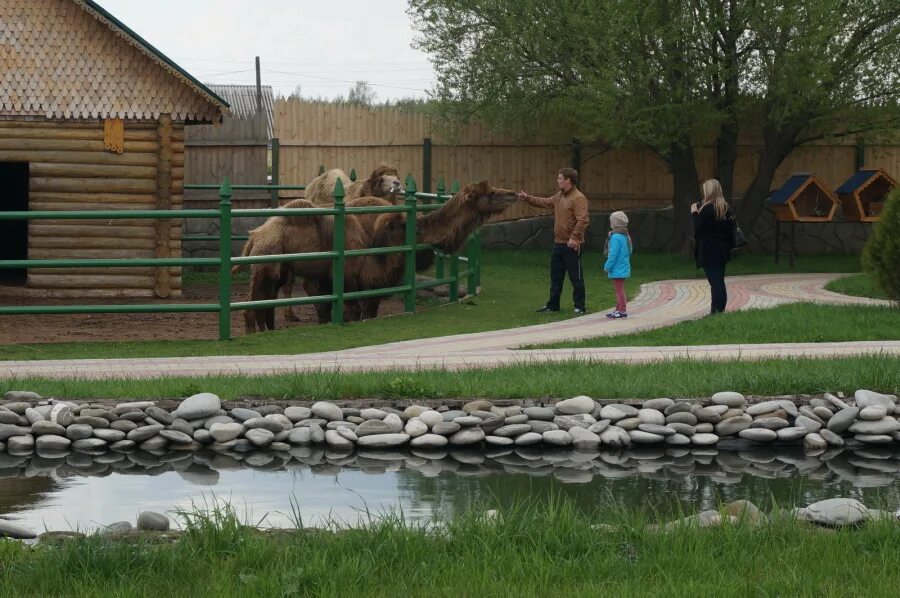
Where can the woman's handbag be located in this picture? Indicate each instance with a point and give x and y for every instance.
(737, 235)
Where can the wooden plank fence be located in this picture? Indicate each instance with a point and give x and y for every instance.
(311, 134)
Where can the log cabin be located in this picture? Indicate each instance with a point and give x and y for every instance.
(92, 117)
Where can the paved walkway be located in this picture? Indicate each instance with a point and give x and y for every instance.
(658, 304)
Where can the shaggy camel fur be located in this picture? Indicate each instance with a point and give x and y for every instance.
(446, 228)
(383, 182)
(301, 234)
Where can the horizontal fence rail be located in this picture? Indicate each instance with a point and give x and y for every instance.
(447, 270)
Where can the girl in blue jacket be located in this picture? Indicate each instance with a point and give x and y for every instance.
(618, 260)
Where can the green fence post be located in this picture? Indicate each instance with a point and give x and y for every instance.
(439, 259)
(409, 273)
(454, 259)
(352, 175)
(337, 285)
(225, 260)
(276, 164)
(473, 252)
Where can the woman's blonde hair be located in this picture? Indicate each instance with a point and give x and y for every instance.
(712, 193)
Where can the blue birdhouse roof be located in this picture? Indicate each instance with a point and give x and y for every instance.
(784, 193)
(857, 180)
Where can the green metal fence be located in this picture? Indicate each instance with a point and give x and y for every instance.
(445, 264)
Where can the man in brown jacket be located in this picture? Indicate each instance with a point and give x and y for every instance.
(570, 221)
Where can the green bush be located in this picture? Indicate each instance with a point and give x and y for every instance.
(881, 255)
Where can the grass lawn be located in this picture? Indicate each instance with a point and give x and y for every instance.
(858, 285)
(541, 550)
(675, 378)
(795, 323)
(515, 284)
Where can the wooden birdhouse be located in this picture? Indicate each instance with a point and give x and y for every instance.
(864, 194)
(803, 198)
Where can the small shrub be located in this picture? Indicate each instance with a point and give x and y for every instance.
(881, 255)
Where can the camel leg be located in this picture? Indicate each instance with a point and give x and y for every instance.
(287, 290)
(370, 308)
(319, 287)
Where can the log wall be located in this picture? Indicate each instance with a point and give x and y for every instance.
(70, 170)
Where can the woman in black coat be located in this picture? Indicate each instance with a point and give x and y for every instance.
(713, 240)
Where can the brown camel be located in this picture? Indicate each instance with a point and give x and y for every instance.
(383, 182)
(298, 234)
(446, 228)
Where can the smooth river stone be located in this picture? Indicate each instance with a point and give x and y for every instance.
(842, 419)
(260, 436)
(468, 436)
(678, 440)
(327, 411)
(52, 442)
(429, 441)
(45, 427)
(791, 434)
(867, 398)
(338, 442)
(639, 437)
(706, 414)
(223, 432)
(513, 430)
(201, 405)
(758, 434)
(831, 438)
(383, 440)
(814, 442)
(541, 426)
(373, 414)
(683, 407)
(704, 439)
(498, 440)
(528, 438)
(617, 412)
(611, 436)
(733, 425)
(837, 511)
(683, 429)
(576, 406)
(557, 437)
(651, 416)
(885, 425)
(682, 417)
(658, 404)
(372, 427)
(540, 413)
(242, 414)
(656, 429)
(873, 413)
(431, 418)
(415, 427)
(770, 423)
(730, 399)
(296, 413)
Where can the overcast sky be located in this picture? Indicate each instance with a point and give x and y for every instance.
(323, 46)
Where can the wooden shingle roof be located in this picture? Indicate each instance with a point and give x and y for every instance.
(71, 59)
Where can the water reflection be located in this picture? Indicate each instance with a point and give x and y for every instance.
(81, 491)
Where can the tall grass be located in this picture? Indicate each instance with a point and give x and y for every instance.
(533, 548)
(673, 378)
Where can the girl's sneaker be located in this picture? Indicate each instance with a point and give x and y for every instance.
(617, 315)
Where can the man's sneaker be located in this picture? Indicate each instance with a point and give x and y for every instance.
(580, 311)
(617, 315)
(547, 310)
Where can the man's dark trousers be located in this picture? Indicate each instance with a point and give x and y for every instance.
(565, 259)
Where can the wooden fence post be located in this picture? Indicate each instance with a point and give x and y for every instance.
(426, 165)
(337, 285)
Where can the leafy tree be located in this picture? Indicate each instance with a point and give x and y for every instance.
(361, 94)
(881, 256)
(670, 75)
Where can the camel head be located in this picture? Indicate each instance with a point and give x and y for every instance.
(385, 181)
(485, 199)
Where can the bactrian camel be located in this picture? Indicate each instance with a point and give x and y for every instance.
(446, 228)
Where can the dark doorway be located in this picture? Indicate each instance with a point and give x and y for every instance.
(13, 233)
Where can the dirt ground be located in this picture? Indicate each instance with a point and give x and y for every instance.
(51, 328)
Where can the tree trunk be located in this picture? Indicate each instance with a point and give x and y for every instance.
(726, 159)
(778, 144)
(686, 190)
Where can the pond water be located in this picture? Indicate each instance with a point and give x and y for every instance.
(81, 492)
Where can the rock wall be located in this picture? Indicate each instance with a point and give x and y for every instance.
(652, 230)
